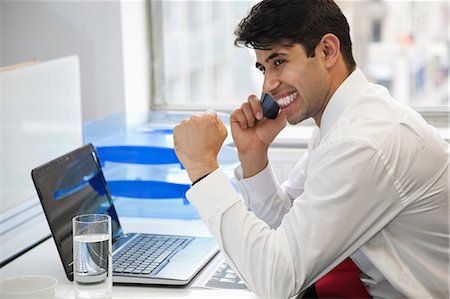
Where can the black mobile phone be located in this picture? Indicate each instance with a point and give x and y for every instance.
(269, 106)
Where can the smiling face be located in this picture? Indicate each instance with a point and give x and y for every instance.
(301, 85)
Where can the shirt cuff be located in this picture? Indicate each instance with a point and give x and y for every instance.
(259, 185)
(213, 195)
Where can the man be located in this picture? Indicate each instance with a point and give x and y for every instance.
(373, 185)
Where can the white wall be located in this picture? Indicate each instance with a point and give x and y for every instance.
(136, 54)
(92, 30)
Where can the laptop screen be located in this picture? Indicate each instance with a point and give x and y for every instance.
(73, 185)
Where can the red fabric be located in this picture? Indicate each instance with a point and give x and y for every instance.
(342, 282)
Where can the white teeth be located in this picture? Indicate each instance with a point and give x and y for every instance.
(283, 102)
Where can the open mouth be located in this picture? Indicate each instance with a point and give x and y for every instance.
(286, 100)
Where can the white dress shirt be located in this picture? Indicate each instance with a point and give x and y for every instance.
(373, 186)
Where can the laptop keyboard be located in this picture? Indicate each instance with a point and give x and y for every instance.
(145, 253)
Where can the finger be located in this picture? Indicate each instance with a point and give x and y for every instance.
(237, 116)
(256, 107)
(219, 122)
(175, 137)
(221, 125)
(248, 113)
(211, 116)
(211, 111)
(197, 115)
(281, 120)
(199, 119)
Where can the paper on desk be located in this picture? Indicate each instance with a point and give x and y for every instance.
(219, 275)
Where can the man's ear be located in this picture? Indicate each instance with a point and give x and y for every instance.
(330, 48)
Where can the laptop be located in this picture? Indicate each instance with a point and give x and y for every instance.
(74, 184)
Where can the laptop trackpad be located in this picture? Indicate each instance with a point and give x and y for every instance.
(195, 251)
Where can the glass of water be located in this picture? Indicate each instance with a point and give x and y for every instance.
(92, 260)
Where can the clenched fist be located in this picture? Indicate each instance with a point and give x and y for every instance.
(197, 142)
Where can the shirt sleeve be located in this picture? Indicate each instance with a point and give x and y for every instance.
(336, 214)
(263, 195)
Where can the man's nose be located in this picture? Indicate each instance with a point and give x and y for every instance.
(271, 82)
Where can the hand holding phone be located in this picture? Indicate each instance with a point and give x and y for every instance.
(269, 106)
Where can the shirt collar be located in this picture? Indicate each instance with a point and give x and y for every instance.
(346, 93)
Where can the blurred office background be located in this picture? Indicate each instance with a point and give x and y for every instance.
(403, 45)
(141, 55)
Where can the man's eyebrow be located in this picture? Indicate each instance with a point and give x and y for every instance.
(275, 54)
(271, 56)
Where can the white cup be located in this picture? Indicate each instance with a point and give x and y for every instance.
(29, 286)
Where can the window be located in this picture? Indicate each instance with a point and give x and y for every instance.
(403, 45)
(200, 65)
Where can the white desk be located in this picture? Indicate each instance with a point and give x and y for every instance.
(44, 259)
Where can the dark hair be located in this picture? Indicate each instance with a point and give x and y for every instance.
(285, 22)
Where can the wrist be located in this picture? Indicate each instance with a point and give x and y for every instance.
(253, 163)
(195, 173)
(199, 179)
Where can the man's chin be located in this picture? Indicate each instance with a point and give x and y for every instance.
(294, 119)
